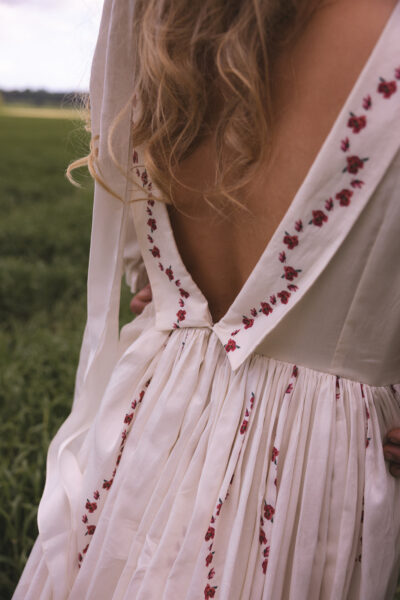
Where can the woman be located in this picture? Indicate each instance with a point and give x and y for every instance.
(229, 443)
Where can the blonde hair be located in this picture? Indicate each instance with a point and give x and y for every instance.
(203, 68)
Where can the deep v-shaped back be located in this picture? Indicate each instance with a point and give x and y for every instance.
(221, 252)
(315, 224)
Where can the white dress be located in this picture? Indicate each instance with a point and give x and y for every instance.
(240, 460)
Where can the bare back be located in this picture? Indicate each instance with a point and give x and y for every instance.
(311, 82)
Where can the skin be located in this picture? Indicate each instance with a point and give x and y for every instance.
(305, 113)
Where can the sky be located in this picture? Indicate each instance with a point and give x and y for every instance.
(47, 43)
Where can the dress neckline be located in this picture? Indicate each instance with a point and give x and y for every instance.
(314, 225)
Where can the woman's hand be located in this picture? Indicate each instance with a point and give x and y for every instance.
(141, 300)
(391, 450)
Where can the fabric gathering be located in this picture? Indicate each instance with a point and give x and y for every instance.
(239, 459)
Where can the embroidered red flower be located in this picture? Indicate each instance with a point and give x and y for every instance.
(367, 102)
(290, 273)
(264, 565)
(149, 211)
(177, 282)
(152, 224)
(298, 225)
(387, 88)
(183, 293)
(344, 197)
(107, 484)
(243, 426)
(266, 309)
(135, 157)
(275, 453)
(128, 418)
(295, 371)
(272, 299)
(96, 495)
(160, 267)
(357, 123)
(284, 296)
(169, 273)
(292, 287)
(262, 537)
(181, 303)
(90, 529)
(354, 164)
(155, 252)
(210, 534)
(90, 506)
(253, 312)
(85, 519)
(219, 506)
(235, 331)
(282, 256)
(85, 549)
(150, 202)
(345, 144)
(329, 204)
(211, 574)
(145, 178)
(269, 511)
(290, 240)
(247, 322)
(150, 238)
(319, 218)
(231, 345)
(209, 558)
(356, 183)
(209, 592)
(289, 388)
(181, 314)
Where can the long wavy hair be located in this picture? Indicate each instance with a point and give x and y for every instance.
(203, 69)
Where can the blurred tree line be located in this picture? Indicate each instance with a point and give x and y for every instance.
(38, 97)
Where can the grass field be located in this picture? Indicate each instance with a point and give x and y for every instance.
(44, 243)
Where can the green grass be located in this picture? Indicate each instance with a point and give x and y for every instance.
(44, 245)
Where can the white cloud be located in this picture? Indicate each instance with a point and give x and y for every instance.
(47, 43)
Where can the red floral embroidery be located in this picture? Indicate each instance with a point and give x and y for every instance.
(275, 454)
(356, 183)
(183, 293)
(269, 511)
(230, 345)
(367, 102)
(282, 256)
(262, 537)
(210, 534)
(90, 529)
(354, 164)
(357, 123)
(345, 144)
(387, 88)
(272, 299)
(295, 371)
(209, 558)
(265, 308)
(155, 252)
(290, 273)
(169, 273)
(284, 296)
(291, 241)
(299, 225)
(152, 224)
(90, 506)
(319, 218)
(344, 197)
(243, 426)
(135, 157)
(181, 314)
(247, 322)
(211, 573)
(292, 287)
(209, 592)
(397, 73)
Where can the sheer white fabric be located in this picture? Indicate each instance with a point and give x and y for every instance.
(240, 459)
